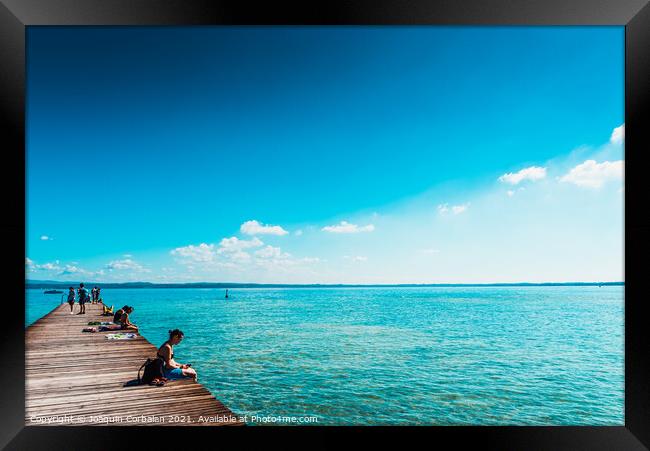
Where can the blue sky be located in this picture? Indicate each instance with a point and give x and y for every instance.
(325, 154)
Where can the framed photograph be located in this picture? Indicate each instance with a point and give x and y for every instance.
(394, 217)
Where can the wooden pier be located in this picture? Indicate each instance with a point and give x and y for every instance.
(77, 378)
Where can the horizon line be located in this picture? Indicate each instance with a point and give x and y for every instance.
(241, 284)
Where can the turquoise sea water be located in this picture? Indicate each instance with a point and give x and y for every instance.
(396, 356)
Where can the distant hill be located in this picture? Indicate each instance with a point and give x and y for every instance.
(58, 284)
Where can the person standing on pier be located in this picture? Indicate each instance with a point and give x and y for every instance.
(93, 295)
(71, 300)
(83, 297)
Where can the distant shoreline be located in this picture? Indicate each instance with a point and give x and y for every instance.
(37, 284)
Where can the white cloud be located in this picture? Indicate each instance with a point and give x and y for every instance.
(355, 258)
(126, 263)
(234, 244)
(271, 252)
(273, 258)
(256, 228)
(201, 253)
(127, 256)
(298, 232)
(49, 266)
(239, 257)
(458, 209)
(618, 135)
(230, 253)
(429, 251)
(593, 175)
(61, 270)
(70, 269)
(512, 192)
(233, 249)
(532, 173)
(443, 209)
(46, 238)
(232, 265)
(346, 227)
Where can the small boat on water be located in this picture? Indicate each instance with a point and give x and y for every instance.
(52, 292)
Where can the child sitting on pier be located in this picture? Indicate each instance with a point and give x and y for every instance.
(173, 369)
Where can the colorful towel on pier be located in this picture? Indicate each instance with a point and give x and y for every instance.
(128, 336)
(89, 329)
(110, 327)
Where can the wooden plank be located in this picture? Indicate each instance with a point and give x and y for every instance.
(76, 374)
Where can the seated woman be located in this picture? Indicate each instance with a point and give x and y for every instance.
(121, 318)
(124, 319)
(173, 369)
(118, 315)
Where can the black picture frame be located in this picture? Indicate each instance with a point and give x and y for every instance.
(16, 15)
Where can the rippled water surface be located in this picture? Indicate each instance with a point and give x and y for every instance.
(429, 356)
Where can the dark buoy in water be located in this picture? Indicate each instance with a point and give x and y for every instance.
(226, 294)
